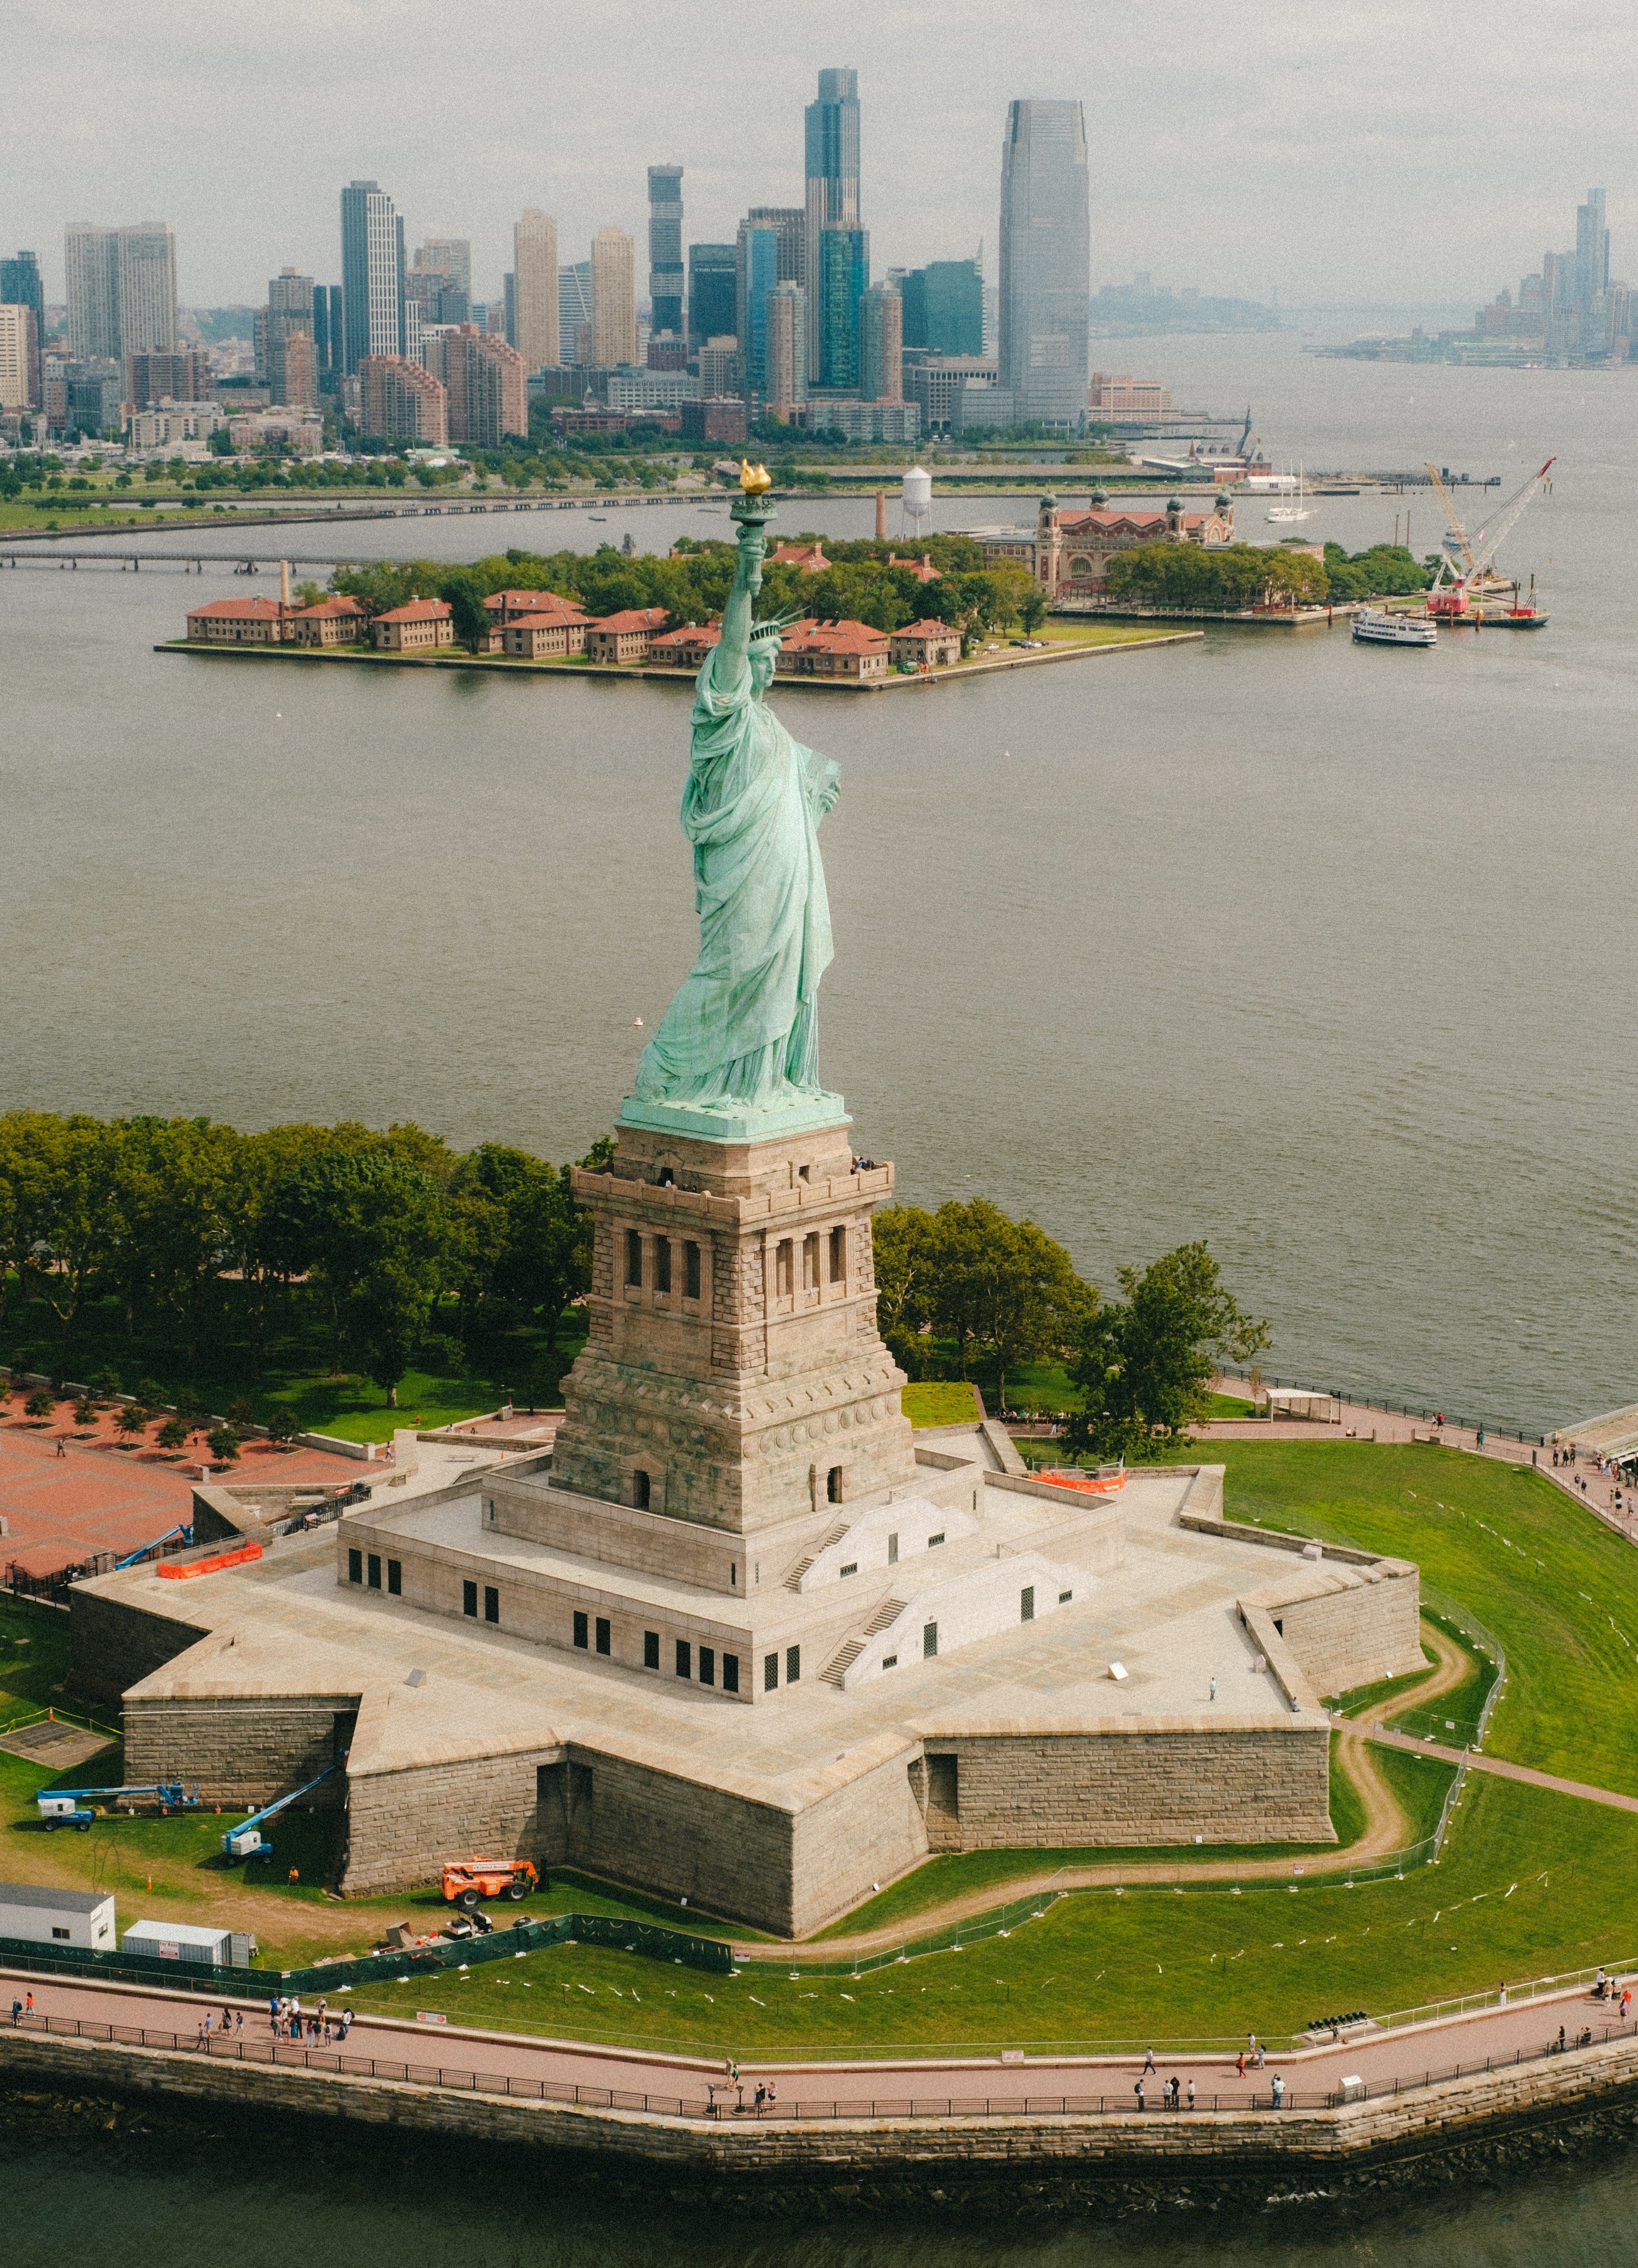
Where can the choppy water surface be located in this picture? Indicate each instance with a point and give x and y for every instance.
(134, 2195)
(1324, 954)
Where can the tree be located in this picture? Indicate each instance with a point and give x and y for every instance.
(385, 1318)
(85, 1411)
(132, 1419)
(41, 1402)
(224, 1445)
(1004, 1284)
(174, 1434)
(149, 1392)
(902, 1241)
(1143, 1366)
(1032, 610)
(464, 594)
(342, 1213)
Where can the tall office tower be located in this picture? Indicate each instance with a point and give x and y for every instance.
(844, 280)
(944, 308)
(665, 273)
(288, 309)
(574, 308)
(536, 325)
(402, 402)
(91, 256)
(20, 287)
(184, 376)
(756, 272)
(1045, 262)
(145, 284)
(881, 345)
(614, 297)
(831, 166)
(328, 344)
(784, 347)
(372, 274)
(19, 357)
(122, 289)
(711, 293)
(293, 370)
(450, 256)
(1592, 249)
(790, 230)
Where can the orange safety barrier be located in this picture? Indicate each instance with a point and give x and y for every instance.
(1086, 1484)
(178, 1570)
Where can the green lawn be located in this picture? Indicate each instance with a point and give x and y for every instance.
(940, 1402)
(1559, 1589)
(1169, 1965)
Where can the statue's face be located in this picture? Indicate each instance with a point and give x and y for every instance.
(762, 660)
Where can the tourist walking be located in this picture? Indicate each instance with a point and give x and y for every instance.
(17, 2012)
(1240, 2064)
(1191, 2095)
(1149, 2061)
(1262, 2055)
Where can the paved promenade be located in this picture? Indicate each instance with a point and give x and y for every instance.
(97, 1497)
(1407, 2055)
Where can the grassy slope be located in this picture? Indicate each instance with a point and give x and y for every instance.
(1166, 1964)
(1560, 1590)
(940, 1402)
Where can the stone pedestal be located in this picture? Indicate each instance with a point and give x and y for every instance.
(734, 1373)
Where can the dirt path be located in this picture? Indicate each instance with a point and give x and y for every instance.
(1386, 1828)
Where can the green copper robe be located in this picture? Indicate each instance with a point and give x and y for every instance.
(744, 1025)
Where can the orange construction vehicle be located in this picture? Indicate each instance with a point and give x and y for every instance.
(468, 1881)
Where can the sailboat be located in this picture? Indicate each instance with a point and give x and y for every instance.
(1297, 509)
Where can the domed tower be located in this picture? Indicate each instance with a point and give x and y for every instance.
(1174, 517)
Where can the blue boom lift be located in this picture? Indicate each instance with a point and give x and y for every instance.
(61, 1806)
(245, 1840)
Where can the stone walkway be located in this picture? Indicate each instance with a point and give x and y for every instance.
(95, 1497)
(1408, 2054)
(1359, 1421)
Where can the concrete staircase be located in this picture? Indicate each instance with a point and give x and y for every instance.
(793, 1579)
(886, 1612)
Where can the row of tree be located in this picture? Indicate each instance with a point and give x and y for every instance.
(692, 586)
(1232, 577)
(188, 1230)
(968, 1284)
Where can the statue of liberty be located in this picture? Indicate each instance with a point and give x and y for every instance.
(740, 1041)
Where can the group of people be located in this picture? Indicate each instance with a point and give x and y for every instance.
(289, 2020)
(1175, 2095)
(231, 2022)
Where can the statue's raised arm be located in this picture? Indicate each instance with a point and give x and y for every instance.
(739, 1043)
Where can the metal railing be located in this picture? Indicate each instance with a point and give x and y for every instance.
(1134, 2102)
(1392, 1408)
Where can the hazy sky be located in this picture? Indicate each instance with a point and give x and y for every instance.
(1401, 151)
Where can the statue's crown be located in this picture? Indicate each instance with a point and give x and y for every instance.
(772, 628)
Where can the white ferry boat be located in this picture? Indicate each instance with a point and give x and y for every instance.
(1374, 626)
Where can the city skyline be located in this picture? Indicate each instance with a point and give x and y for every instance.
(1241, 123)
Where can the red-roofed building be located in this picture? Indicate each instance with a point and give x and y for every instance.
(1068, 552)
(626, 637)
(835, 650)
(924, 569)
(422, 623)
(340, 620)
(546, 636)
(809, 555)
(926, 645)
(238, 622)
(685, 648)
(503, 605)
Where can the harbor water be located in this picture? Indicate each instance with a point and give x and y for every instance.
(1324, 954)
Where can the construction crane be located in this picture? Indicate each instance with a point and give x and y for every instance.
(1466, 558)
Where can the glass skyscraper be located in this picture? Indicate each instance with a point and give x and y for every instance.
(711, 293)
(665, 248)
(373, 273)
(20, 287)
(844, 279)
(831, 168)
(944, 308)
(758, 275)
(1045, 262)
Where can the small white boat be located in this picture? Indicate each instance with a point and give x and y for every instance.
(1376, 626)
